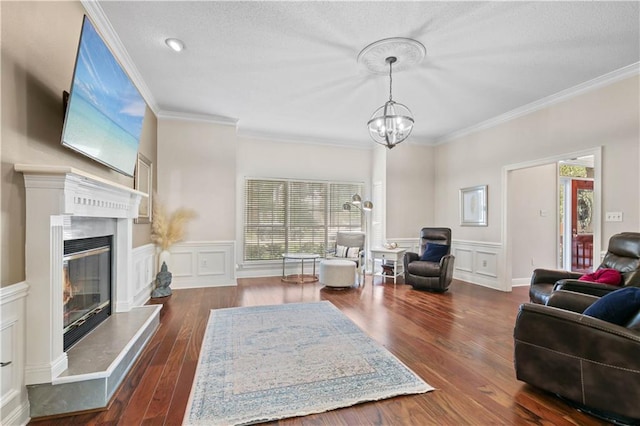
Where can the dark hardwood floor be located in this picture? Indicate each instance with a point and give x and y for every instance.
(460, 342)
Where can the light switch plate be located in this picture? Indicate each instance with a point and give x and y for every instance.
(613, 217)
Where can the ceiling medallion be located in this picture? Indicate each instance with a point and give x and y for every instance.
(408, 53)
(393, 122)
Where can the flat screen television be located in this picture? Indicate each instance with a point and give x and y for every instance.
(104, 113)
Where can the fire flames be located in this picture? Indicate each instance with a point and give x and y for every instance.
(67, 291)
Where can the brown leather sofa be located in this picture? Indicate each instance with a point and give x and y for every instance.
(425, 275)
(592, 364)
(623, 254)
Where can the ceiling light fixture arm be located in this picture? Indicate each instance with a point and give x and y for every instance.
(390, 60)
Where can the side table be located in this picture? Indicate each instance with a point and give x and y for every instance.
(389, 255)
(300, 278)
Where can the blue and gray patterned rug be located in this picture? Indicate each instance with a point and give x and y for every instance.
(271, 362)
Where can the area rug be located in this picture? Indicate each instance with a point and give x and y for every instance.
(271, 362)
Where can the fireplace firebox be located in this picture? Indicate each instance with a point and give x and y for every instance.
(87, 272)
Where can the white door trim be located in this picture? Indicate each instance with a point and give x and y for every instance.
(597, 201)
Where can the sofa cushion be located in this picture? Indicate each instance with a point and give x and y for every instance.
(604, 276)
(617, 307)
(424, 269)
(434, 252)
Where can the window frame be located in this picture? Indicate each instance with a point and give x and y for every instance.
(334, 217)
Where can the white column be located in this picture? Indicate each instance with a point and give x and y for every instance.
(123, 265)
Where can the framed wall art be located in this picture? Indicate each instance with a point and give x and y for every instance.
(143, 182)
(473, 206)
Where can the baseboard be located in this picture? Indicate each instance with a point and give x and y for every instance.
(19, 416)
(520, 282)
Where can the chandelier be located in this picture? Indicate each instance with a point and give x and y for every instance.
(393, 122)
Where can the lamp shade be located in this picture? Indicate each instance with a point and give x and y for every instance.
(367, 205)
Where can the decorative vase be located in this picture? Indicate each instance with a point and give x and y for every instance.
(164, 256)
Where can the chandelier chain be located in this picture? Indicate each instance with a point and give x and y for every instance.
(390, 80)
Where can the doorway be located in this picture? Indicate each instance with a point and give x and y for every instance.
(575, 214)
(510, 256)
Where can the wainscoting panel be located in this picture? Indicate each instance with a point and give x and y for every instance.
(144, 267)
(477, 262)
(464, 259)
(14, 402)
(211, 263)
(182, 263)
(203, 264)
(487, 263)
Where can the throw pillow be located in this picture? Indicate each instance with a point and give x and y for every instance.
(434, 252)
(348, 252)
(604, 276)
(617, 307)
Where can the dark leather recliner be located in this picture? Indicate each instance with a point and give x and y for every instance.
(592, 364)
(425, 275)
(623, 254)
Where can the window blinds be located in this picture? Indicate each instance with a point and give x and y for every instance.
(287, 216)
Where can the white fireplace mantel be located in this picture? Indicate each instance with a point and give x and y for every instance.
(82, 194)
(53, 194)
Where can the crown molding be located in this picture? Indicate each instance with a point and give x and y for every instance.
(186, 116)
(580, 89)
(303, 139)
(99, 18)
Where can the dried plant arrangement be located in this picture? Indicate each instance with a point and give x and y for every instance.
(167, 230)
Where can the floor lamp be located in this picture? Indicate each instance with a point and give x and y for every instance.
(363, 206)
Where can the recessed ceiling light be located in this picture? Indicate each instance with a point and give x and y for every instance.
(175, 44)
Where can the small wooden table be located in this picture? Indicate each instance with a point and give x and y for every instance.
(389, 255)
(300, 278)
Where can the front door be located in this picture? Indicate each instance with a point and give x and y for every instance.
(581, 225)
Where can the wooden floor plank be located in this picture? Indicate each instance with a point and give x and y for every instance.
(460, 342)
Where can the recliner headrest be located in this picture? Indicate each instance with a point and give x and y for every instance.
(625, 244)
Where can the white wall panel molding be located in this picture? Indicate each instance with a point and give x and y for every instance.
(477, 262)
(14, 402)
(203, 264)
(144, 273)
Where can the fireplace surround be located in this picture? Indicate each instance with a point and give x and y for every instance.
(67, 204)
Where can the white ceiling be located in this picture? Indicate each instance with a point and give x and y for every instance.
(288, 69)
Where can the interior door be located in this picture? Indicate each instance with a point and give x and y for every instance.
(581, 225)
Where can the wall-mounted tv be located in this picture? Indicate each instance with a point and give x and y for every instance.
(104, 114)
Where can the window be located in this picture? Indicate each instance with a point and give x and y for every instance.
(287, 216)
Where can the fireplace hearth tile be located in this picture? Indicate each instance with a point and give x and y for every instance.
(97, 364)
(98, 352)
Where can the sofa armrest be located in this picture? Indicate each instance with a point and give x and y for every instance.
(446, 263)
(550, 276)
(577, 335)
(586, 287)
(410, 257)
(583, 359)
(571, 301)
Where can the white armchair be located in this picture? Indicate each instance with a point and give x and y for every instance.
(344, 247)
